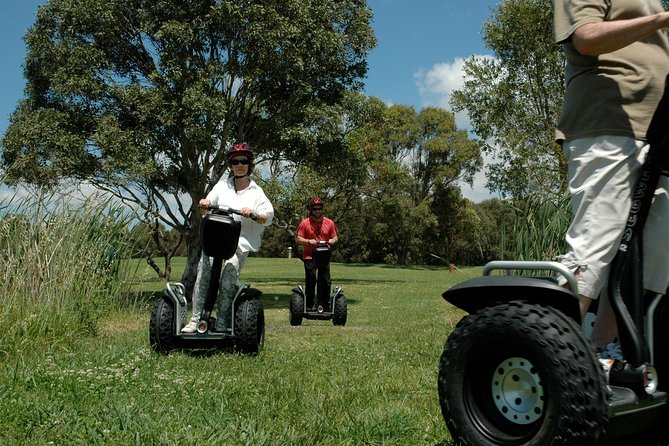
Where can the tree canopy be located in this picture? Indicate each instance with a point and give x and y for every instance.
(139, 97)
(395, 194)
(513, 100)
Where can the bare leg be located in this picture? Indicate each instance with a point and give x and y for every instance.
(606, 328)
(584, 304)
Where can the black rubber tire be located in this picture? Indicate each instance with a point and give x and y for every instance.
(161, 326)
(250, 326)
(339, 312)
(521, 374)
(296, 309)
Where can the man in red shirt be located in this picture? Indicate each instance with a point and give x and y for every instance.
(311, 230)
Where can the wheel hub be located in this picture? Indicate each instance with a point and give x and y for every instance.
(517, 391)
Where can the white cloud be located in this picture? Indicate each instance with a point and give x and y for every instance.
(436, 86)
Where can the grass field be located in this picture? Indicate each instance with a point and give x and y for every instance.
(371, 382)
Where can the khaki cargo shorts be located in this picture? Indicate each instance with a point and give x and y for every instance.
(602, 174)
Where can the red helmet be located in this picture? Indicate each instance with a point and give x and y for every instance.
(240, 149)
(315, 202)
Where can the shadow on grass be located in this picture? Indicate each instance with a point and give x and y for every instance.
(390, 266)
(292, 282)
(282, 301)
(417, 267)
(270, 301)
(207, 352)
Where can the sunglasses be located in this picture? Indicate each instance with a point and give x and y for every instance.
(316, 209)
(243, 162)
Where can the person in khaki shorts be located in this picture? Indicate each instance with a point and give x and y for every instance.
(617, 60)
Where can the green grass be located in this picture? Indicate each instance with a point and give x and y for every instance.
(371, 382)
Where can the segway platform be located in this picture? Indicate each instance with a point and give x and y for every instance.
(299, 309)
(337, 302)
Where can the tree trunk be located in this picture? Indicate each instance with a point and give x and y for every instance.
(152, 263)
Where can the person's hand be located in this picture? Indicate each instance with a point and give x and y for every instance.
(248, 213)
(204, 204)
(332, 241)
(313, 242)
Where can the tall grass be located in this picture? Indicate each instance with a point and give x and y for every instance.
(59, 268)
(540, 227)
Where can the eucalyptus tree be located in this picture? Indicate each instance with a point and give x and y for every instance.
(513, 99)
(410, 159)
(140, 97)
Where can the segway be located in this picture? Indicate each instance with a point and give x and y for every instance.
(220, 234)
(518, 370)
(335, 309)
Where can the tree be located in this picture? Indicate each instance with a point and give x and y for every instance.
(514, 100)
(140, 97)
(410, 158)
(337, 173)
(390, 164)
(497, 224)
(151, 239)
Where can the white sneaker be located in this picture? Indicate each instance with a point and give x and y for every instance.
(190, 327)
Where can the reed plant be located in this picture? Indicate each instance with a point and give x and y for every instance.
(59, 268)
(540, 227)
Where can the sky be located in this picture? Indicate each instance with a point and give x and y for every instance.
(421, 45)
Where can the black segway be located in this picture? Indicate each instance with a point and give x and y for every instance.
(518, 370)
(220, 234)
(335, 309)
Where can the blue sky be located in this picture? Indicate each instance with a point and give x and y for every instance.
(423, 36)
(417, 61)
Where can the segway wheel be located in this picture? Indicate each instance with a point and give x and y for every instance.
(518, 373)
(161, 326)
(250, 326)
(296, 308)
(339, 311)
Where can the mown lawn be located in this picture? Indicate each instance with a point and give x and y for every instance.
(371, 382)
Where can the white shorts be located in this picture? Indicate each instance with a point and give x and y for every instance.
(602, 174)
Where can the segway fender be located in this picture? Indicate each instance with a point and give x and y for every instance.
(176, 293)
(250, 293)
(337, 291)
(299, 290)
(487, 291)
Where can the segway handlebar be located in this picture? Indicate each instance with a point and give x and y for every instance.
(224, 209)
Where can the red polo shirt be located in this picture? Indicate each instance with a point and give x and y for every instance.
(318, 230)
